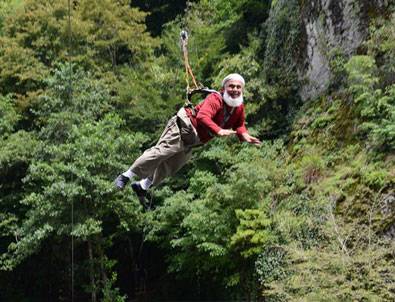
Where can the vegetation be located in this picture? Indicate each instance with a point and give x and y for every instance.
(307, 216)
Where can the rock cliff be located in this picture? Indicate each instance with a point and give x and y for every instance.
(331, 24)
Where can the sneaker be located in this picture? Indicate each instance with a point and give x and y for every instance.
(121, 181)
(141, 195)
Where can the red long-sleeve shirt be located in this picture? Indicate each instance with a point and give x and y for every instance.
(210, 116)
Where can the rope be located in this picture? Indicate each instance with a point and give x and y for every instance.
(198, 87)
(188, 69)
(69, 95)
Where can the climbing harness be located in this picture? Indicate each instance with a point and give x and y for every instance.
(197, 86)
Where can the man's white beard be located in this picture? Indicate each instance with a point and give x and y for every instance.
(231, 101)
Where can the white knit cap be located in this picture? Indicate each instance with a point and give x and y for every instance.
(234, 77)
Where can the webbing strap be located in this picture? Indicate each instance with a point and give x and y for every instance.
(227, 115)
(188, 69)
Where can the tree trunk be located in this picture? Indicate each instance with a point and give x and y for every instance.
(133, 264)
(92, 272)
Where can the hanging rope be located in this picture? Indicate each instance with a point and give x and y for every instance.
(69, 95)
(188, 69)
(197, 87)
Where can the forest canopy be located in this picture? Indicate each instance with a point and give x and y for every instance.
(87, 85)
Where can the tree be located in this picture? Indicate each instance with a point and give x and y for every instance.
(101, 36)
(72, 167)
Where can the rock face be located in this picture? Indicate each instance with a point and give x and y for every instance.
(328, 24)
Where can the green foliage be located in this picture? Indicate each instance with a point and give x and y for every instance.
(344, 265)
(253, 233)
(111, 294)
(268, 62)
(22, 72)
(381, 46)
(383, 133)
(212, 27)
(17, 151)
(330, 225)
(204, 21)
(219, 230)
(62, 106)
(216, 28)
(251, 15)
(337, 61)
(322, 253)
(114, 31)
(190, 227)
(369, 82)
(7, 7)
(299, 219)
(37, 36)
(148, 104)
(8, 115)
(311, 166)
(332, 275)
(200, 181)
(375, 107)
(16, 148)
(282, 48)
(361, 78)
(269, 265)
(79, 172)
(294, 220)
(374, 176)
(160, 13)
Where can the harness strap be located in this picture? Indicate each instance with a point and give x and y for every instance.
(188, 69)
(198, 88)
(227, 115)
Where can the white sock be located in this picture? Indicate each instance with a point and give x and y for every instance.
(145, 183)
(129, 174)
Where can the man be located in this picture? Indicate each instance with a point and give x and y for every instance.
(220, 114)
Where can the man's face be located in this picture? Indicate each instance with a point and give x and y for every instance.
(234, 88)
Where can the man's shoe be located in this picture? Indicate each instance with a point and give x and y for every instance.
(141, 195)
(121, 181)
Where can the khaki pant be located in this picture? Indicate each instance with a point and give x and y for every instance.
(171, 152)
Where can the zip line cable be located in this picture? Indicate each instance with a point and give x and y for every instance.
(69, 95)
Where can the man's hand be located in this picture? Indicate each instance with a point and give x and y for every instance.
(250, 139)
(226, 132)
